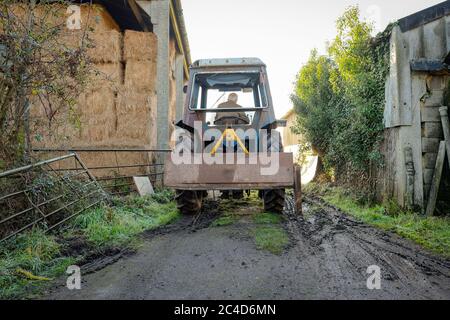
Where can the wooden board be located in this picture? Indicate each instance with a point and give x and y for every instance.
(231, 176)
(436, 180)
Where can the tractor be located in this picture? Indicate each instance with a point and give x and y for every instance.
(227, 140)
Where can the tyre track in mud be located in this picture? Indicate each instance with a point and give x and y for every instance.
(327, 258)
(347, 244)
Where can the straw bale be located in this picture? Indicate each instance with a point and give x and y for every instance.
(140, 46)
(140, 76)
(136, 118)
(106, 46)
(99, 102)
(107, 75)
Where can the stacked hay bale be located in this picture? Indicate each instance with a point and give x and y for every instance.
(118, 109)
(136, 101)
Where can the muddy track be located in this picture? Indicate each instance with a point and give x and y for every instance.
(329, 231)
(327, 258)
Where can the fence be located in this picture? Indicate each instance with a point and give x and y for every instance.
(40, 194)
(114, 169)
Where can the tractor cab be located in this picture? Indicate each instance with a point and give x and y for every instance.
(214, 81)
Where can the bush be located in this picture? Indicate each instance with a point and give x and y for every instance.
(339, 99)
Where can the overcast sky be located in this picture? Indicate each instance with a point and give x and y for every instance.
(280, 32)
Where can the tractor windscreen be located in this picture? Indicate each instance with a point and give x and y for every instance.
(215, 91)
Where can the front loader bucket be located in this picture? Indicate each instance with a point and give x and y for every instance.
(253, 175)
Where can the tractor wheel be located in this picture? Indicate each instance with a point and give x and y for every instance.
(189, 202)
(274, 200)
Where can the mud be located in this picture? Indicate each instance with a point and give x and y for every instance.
(327, 258)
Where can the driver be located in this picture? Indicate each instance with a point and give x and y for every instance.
(224, 118)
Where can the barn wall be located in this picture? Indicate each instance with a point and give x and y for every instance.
(412, 110)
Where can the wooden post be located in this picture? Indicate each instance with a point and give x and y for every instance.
(410, 173)
(446, 128)
(436, 180)
(298, 190)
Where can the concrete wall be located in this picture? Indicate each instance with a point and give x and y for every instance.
(411, 111)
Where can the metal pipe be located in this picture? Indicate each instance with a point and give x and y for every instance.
(99, 150)
(74, 215)
(31, 166)
(113, 167)
(128, 177)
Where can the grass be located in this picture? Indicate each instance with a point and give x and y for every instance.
(34, 252)
(28, 259)
(271, 238)
(118, 225)
(225, 221)
(432, 233)
(267, 218)
(268, 234)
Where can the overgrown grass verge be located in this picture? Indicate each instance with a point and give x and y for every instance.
(432, 233)
(31, 260)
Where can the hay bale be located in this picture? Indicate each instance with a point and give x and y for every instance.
(98, 102)
(140, 76)
(106, 47)
(136, 119)
(98, 117)
(107, 75)
(140, 46)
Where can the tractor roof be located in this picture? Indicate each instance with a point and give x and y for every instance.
(227, 62)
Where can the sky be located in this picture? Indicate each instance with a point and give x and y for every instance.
(280, 32)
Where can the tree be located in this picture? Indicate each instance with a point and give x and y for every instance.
(315, 103)
(37, 64)
(339, 98)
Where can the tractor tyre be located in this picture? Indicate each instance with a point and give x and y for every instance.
(189, 202)
(274, 200)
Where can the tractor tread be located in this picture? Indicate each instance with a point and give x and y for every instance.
(189, 202)
(274, 200)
